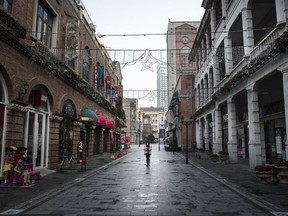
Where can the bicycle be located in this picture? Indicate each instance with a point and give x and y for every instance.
(66, 160)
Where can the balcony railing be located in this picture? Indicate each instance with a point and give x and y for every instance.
(266, 44)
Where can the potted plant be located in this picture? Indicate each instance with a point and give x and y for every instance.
(223, 156)
(270, 162)
(262, 168)
(280, 163)
(263, 172)
(214, 157)
(281, 167)
(222, 153)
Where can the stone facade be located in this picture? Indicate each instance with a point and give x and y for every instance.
(241, 80)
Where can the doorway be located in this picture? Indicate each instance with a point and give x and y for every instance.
(37, 149)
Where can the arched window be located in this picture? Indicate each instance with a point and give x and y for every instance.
(86, 64)
(184, 56)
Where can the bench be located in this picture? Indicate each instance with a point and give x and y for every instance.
(19, 178)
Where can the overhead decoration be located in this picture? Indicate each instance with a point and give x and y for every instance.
(148, 58)
(147, 61)
(150, 95)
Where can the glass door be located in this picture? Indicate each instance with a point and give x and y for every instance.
(36, 143)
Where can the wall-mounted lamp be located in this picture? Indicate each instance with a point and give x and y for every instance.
(24, 91)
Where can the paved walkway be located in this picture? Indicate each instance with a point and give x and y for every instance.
(50, 182)
(238, 177)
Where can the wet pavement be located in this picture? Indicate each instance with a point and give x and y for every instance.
(169, 187)
(239, 177)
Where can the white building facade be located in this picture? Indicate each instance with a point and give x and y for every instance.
(157, 119)
(242, 77)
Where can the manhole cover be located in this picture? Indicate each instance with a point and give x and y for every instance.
(12, 212)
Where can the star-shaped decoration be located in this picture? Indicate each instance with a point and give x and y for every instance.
(148, 61)
(151, 97)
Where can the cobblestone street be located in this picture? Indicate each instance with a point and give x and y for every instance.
(167, 187)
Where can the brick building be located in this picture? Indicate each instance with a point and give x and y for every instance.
(181, 76)
(58, 84)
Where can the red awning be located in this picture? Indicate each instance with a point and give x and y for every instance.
(101, 120)
(109, 124)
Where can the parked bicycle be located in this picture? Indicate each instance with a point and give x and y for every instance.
(67, 161)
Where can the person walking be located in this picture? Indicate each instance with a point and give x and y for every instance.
(147, 152)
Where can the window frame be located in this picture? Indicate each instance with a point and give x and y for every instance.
(44, 24)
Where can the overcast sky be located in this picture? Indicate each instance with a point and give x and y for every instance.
(120, 17)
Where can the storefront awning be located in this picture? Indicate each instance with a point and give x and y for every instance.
(88, 115)
(101, 120)
(109, 124)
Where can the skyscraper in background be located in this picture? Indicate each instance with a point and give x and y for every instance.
(162, 99)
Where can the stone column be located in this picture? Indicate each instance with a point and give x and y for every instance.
(285, 89)
(213, 25)
(281, 13)
(206, 134)
(210, 85)
(54, 131)
(201, 134)
(215, 69)
(224, 6)
(202, 96)
(217, 145)
(232, 138)
(198, 96)
(213, 130)
(208, 48)
(197, 130)
(228, 55)
(248, 36)
(205, 89)
(254, 128)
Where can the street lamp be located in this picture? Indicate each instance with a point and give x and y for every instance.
(139, 119)
(159, 141)
(186, 123)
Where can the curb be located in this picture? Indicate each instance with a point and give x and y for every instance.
(49, 194)
(247, 195)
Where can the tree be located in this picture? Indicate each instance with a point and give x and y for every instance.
(151, 138)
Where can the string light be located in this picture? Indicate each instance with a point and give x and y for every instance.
(189, 31)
